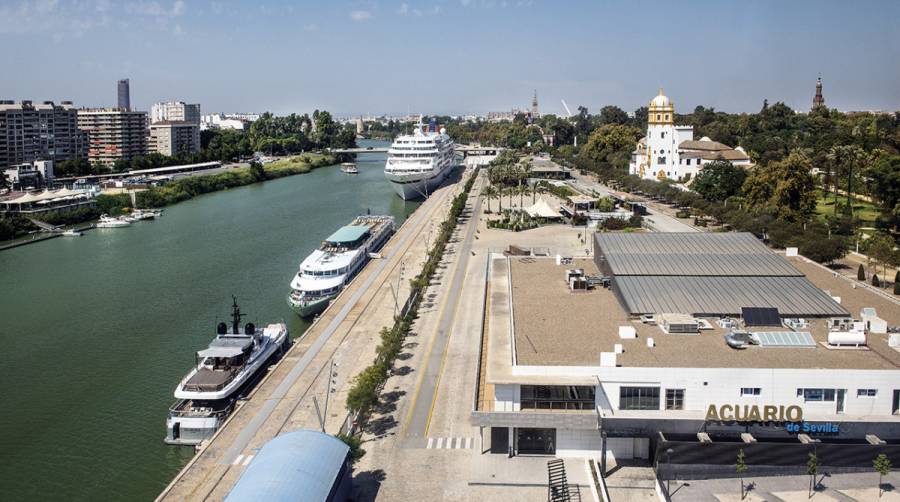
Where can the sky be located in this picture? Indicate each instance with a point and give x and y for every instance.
(453, 56)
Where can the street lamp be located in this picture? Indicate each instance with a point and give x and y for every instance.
(669, 453)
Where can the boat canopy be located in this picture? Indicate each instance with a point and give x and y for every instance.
(348, 233)
(220, 352)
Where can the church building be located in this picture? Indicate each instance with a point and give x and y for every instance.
(670, 152)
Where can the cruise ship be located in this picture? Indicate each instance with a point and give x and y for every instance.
(419, 162)
(325, 272)
(231, 364)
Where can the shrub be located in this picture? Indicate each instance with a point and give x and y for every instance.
(875, 281)
(861, 273)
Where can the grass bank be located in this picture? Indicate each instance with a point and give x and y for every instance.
(12, 227)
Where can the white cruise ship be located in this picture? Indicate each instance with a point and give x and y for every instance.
(234, 361)
(417, 163)
(325, 272)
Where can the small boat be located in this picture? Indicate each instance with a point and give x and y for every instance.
(145, 214)
(107, 221)
(349, 168)
(71, 233)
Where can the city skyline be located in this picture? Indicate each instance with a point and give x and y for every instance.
(458, 57)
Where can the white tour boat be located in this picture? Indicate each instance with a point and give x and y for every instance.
(349, 168)
(419, 162)
(325, 272)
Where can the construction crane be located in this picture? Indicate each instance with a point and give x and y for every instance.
(568, 112)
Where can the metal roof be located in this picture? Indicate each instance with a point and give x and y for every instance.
(714, 296)
(691, 253)
(298, 466)
(348, 233)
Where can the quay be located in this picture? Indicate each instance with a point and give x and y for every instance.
(344, 338)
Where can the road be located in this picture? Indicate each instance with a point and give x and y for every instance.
(426, 390)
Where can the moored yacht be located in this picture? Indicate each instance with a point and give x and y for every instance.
(231, 364)
(419, 162)
(107, 221)
(325, 272)
(349, 168)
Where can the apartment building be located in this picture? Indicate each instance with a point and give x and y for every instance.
(172, 138)
(175, 111)
(31, 132)
(113, 134)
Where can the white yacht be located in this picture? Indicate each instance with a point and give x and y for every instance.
(419, 162)
(325, 272)
(234, 361)
(349, 168)
(145, 214)
(107, 221)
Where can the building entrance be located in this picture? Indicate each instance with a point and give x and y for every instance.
(536, 441)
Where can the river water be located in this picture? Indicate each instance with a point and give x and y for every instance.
(96, 331)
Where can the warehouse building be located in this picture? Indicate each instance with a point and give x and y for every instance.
(671, 336)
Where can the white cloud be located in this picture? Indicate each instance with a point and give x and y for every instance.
(156, 9)
(360, 15)
(310, 27)
(404, 9)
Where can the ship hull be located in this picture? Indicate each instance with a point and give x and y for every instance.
(409, 188)
(309, 309)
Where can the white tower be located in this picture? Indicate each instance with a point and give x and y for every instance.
(662, 141)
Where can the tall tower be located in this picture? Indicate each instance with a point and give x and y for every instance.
(534, 106)
(124, 95)
(661, 142)
(818, 99)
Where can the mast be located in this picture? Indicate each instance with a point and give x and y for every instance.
(235, 316)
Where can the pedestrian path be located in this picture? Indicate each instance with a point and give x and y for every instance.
(243, 460)
(450, 443)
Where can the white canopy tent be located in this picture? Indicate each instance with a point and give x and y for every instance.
(542, 209)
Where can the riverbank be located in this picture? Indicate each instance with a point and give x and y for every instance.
(16, 229)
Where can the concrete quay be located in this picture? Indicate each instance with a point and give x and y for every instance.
(346, 334)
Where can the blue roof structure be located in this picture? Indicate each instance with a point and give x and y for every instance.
(297, 466)
(348, 233)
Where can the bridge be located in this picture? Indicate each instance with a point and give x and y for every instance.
(465, 150)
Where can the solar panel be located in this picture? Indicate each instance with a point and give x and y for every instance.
(785, 338)
(760, 316)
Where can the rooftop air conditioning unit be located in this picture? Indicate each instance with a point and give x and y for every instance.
(846, 338)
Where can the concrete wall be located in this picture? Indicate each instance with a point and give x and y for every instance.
(577, 443)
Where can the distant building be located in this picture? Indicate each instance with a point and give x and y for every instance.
(113, 134)
(360, 126)
(46, 131)
(818, 99)
(221, 121)
(175, 111)
(670, 152)
(172, 138)
(535, 112)
(124, 95)
(35, 174)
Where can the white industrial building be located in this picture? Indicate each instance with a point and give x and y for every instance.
(669, 151)
(577, 371)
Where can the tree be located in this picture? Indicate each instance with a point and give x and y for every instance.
(880, 247)
(786, 187)
(897, 283)
(489, 192)
(824, 249)
(885, 187)
(613, 115)
(355, 444)
(882, 466)
(741, 467)
(609, 147)
(258, 171)
(861, 273)
(719, 180)
(812, 468)
(875, 281)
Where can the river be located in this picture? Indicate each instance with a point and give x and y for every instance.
(97, 330)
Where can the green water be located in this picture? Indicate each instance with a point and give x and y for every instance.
(97, 330)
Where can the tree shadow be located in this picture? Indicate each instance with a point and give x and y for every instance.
(403, 357)
(381, 426)
(403, 370)
(368, 483)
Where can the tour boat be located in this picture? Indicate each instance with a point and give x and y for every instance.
(71, 233)
(419, 162)
(325, 272)
(107, 221)
(231, 364)
(144, 214)
(349, 168)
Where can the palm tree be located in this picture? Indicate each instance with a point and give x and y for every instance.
(535, 190)
(489, 192)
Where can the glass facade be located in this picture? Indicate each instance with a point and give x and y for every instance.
(558, 397)
(639, 398)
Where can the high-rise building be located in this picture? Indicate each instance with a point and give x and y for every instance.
(175, 111)
(818, 99)
(535, 112)
(32, 132)
(113, 134)
(172, 138)
(124, 95)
